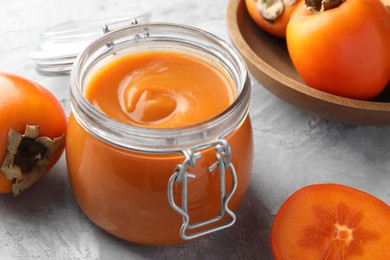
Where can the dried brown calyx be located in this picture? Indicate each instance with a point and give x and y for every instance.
(27, 156)
(315, 6)
(272, 9)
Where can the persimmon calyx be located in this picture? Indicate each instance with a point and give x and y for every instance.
(27, 156)
(272, 9)
(315, 6)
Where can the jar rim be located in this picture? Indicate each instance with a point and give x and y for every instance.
(158, 140)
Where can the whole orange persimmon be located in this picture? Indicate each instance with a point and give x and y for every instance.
(274, 17)
(32, 132)
(342, 48)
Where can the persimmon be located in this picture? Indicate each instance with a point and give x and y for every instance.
(342, 47)
(331, 221)
(32, 132)
(271, 15)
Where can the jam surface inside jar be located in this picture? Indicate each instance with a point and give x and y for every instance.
(160, 89)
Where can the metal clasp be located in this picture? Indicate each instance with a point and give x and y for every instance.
(133, 21)
(181, 175)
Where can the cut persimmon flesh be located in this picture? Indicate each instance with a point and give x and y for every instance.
(331, 221)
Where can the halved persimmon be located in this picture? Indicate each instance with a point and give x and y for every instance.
(331, 221)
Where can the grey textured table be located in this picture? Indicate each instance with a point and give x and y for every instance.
(292, 149)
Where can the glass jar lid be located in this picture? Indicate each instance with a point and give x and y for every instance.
(61, 44)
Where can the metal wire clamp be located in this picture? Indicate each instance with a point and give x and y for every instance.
(181, 175)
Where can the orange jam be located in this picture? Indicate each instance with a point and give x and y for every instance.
(160, 89)
(138, 115)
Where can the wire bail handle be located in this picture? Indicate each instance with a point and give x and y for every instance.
(180, 175)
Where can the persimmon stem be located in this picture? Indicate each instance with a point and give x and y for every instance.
(315, 6)
(27, 156)
(272, 9)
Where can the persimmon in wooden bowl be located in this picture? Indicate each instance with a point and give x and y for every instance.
(269, 62)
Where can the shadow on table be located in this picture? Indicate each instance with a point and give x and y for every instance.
(247, 239)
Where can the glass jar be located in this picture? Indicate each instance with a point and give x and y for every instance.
(151, 185)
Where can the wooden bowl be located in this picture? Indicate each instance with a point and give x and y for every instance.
(268, 60)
